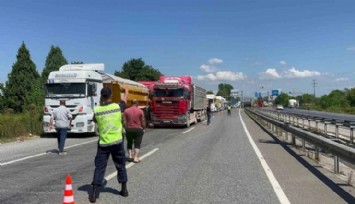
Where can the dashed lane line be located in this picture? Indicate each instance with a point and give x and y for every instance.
(114, 174)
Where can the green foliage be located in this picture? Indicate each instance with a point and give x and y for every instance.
(17, 125)
(282, 99)
(350, 96)
(209, 92)
(137, 70)
(224, 90)
(54, 61)
(20, 80)
(36, 97)
(2, 98)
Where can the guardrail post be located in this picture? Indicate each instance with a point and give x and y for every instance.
(309, 123)
(293, 139)
(325, 127)
(303, 123)
(351, 134)
(303, 144)
(336, 164)
(336, 130)
(298, 124)
(316, 153)
(286, 136)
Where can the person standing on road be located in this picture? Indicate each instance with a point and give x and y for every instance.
(62, 118)
(229, 108)
(134, 123)
(109, 120)
(209, 114)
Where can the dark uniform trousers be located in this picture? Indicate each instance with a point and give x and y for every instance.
(119, 158)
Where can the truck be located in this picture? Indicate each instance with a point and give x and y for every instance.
(80, 85)
(211, 102)
(292, 103)
(176, 101)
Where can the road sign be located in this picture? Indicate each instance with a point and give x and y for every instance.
(275, 92)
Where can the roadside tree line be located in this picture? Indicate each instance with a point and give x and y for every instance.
(338, 101)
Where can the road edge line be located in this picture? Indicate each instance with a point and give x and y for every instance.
(275, 184)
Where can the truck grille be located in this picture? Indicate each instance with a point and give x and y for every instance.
(167, 109)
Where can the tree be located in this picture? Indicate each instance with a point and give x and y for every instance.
(209, 92)
(282, 99)
(36, 97)
(137, 70)
(54, 61)
(20, 81)
(224, 90)
(2, 100)
(350, 96)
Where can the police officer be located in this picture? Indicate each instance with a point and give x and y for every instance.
(109, 120)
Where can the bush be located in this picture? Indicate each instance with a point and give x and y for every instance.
(26, 124)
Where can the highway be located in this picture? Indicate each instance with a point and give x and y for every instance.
(231, 161)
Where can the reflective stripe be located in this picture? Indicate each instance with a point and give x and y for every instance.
(68, 199)
(108, 112)
(68, 187)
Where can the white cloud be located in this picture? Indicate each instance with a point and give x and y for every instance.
(270, 73)
(215, 61)
(341, 79)
(283, 62)
(207, 68)
(222, 75)
(350, 48)
(294, 73)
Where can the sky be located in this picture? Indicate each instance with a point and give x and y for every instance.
(298, 47)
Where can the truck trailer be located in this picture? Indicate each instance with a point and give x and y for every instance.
(176, 101)
(80, 85)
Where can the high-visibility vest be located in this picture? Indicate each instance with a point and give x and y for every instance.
(109, 121)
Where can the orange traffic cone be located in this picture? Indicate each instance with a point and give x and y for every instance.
(68, 192)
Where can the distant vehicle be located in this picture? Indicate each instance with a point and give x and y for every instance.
(292, 103)
(279, 107)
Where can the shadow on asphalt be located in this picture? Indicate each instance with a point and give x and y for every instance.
(334, 186)
(88, 188)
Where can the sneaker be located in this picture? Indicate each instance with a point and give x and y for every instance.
(62, 153)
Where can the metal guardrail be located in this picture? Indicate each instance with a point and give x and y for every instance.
(337, 122)
(338, 150)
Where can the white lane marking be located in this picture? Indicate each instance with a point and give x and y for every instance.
(90, 141)
(188, 130)
(275, 184)
(114, 174)
(41, 154)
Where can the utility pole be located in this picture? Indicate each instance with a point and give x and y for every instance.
(314, 83)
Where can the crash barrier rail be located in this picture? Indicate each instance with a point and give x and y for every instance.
(343, 128)
(337, 149)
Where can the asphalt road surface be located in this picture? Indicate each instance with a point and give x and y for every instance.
(231, 161)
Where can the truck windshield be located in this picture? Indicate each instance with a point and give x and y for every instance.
(169, 92)
(65, 89)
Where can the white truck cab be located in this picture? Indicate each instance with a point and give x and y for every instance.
(79, 85)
